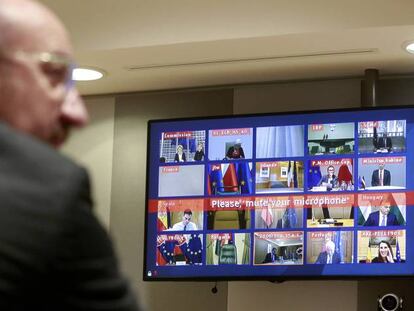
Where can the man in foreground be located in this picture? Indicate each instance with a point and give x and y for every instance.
(54, 255)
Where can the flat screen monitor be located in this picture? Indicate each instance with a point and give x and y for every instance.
(321, 194)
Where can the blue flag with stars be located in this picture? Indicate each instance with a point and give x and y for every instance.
(314, 176)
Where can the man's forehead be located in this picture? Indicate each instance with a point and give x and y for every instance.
(28, 25)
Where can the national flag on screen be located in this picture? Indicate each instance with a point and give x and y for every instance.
(361, 182)
(267, 216)
(290, 175)
(167, 251)
(161, 260)
(192, 144)
(398, 252)
(290, 218)
(216, 179)
(194, 250)
(314, 176)
(338, 245)
(398, 211)
(363, 214)
(344, 174)
(229, 177)
(163, 220)
(369, 255)
(245, 177)
(295, 175)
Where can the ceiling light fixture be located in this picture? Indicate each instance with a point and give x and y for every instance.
(86, 74)
(409, 47)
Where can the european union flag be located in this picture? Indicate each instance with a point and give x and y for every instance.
(167, 251)
(314, 176)
(187, 143)
(398, 252)
(216, 178)
(338, 245)
(290, 218)
(194, 250)
(244, 177)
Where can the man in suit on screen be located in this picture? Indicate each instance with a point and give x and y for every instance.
(384, 143)
(185, 224)
(382, 218)
(54, 254)
(271, 257)
(330, 180)
(329, 256)
(381, 176)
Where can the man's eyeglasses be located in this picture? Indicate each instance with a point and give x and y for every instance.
(57, 67)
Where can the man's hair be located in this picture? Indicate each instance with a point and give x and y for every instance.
(188, 212)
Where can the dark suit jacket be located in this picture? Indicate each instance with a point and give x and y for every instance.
(280, 224)
(54, 255)
(177, 158)
(374, 219)
(268, 258)
(375, 178)
(325, 178)
(385, 142)
(323, 257)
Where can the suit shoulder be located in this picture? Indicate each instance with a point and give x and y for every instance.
(35, 172)
(31, 157)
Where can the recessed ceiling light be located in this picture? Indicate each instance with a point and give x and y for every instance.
(86, 74)
(409, 47)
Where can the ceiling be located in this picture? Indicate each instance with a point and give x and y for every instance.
(147, 45)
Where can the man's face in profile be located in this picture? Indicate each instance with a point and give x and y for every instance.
(385, 209)
(36, 92)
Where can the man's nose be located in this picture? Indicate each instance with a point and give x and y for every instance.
(73, 111)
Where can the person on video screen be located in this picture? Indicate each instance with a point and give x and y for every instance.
(329, 256)
(381, 176)
(271, 257)
(235, 151)
(382, 218)
(185, 224)
(199, 154)
(385, 143)
(330, 180)
(180, 155)
(385, 253)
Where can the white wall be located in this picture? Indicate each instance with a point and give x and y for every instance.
(92, 147)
